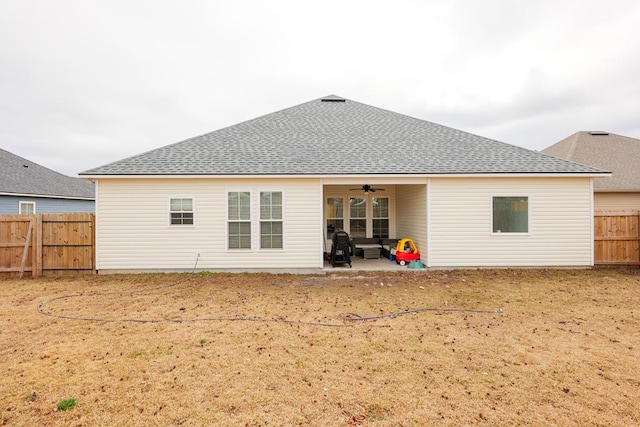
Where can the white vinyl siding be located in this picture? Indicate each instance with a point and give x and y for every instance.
(560, 223)
(617, 201)
(10, 205)
(133, 234)
(412, 216)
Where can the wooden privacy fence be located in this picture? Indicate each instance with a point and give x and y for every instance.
(617, 237)
(47, 244)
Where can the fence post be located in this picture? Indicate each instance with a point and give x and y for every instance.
(28, 241)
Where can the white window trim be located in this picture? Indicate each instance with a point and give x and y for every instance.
(24, 202)
(388, 217)
(368, 213)
(250, 221)
(509, 233)
(259, 246)
(326, 213)
(193, 210)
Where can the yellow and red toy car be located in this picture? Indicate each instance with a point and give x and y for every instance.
(406, 251)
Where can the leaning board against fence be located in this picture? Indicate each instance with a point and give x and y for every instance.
(47, 244)
(617, 237)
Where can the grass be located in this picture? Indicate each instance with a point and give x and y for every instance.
(562, 352)
(66, 404)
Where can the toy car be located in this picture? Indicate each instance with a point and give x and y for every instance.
(406, 251)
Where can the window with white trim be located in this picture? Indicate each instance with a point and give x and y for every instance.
(239, 220)
(510, 214)
(271, 220)
(27, 208)
(181, 211)
(335, 215)
(358, 217)
(380, 217)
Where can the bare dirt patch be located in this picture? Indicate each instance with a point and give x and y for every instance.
(521, 347)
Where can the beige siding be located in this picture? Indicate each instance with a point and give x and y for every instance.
(412, 215)
(133, 231)
(560, 215)
(617, 201)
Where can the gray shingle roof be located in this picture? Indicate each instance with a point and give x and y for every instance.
(616, 153)
(21, 176)
(333, 135)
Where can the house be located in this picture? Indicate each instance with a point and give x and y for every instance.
(266, 194)
(616, 153)
(27, 188)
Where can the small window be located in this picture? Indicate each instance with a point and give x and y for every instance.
(271, 220)
(27, 208)
(181, 211)
(510, 214)
(239, 220)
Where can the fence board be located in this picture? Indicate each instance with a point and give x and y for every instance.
(59, 244)
(617, 237)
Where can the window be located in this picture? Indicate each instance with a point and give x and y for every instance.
(239, 220)
(380, 217)
(27, 208)
(271, 220)
(181, 211)
(335, 215)
(358, 217)
(510, 214)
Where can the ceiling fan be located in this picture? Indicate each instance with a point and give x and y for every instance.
(368, 189)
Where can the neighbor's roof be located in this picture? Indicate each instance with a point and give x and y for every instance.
(23, 177)
(337, 136)
(616, 153)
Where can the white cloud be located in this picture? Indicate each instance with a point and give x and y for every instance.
(89, 82)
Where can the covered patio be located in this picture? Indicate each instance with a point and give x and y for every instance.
(361, 264)
(392, 209)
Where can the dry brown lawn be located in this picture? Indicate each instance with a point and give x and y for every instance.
(324, 350)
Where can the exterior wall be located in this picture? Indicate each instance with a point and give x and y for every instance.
(10, 205)
(617, 201)
(412, 216)
(133, 231)
(560, 218)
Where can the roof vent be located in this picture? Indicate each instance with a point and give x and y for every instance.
(598, 133)
(332, 98)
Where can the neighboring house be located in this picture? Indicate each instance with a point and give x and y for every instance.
(616, 153)
(27, 188)
(266, 193)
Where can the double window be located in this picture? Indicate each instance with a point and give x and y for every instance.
(511, 214)
(239, 223)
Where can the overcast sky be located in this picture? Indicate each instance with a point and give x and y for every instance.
(84, 83)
